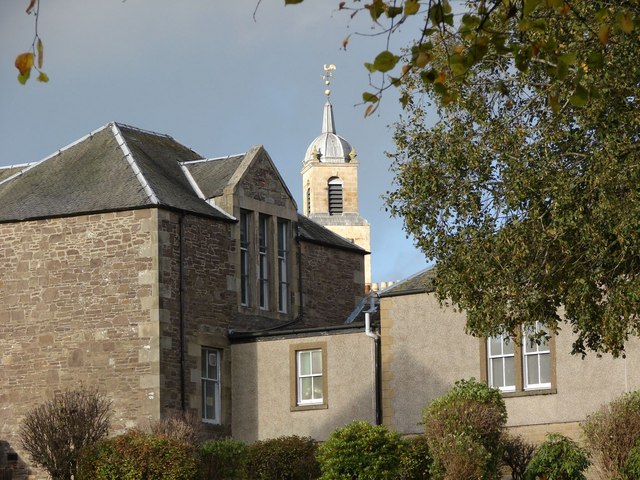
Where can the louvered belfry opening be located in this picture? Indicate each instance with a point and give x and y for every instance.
(335, 196)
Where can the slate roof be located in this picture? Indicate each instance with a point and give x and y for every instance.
(212, 175)
(315, 233)
(421, 282)
(117, 167)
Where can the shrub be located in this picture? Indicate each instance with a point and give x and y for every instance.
(517, 454)
(415, 459)
(558, 458)
(283, 458)
(139, 456)
(224, 459)
(463, 430)
(360, 451)
(631, 469)
(186, 427)
(613, 430)
(55, 432)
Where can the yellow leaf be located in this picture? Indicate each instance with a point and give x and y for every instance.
(345, 42)
(43, 77)
(406, 68)
(24, 62)
(411, 7)
(32, 5)
(40, 49)
(422, 59)
(442, 77)
(626, 23)
(603, 34)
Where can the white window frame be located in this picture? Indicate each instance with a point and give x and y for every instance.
(503, 356)
(283, 266)
(315, 377)
(245, 233)
(263, 261)
(210, 380)
(531, 349)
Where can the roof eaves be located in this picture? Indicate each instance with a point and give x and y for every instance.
(132, 163)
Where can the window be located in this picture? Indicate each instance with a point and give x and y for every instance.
(308, 376)
(308, 201)
(245, 228)
(283, 266)
(501, 367)
(536, 360)
(521, 368)
(210, 385)
(263, 260)
(335, 196)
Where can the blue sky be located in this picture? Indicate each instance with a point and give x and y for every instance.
(206, 73)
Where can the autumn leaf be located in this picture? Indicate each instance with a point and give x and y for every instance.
(603, 34)
(43, 77)
(24, 63)
(40, 49)
(32, 5)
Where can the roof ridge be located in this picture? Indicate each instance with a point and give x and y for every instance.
(142, 130)
(115, 129)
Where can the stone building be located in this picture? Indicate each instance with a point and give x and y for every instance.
(127, 261)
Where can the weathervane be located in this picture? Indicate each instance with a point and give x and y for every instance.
(328, 74)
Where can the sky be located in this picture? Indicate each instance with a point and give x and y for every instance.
(214, 78)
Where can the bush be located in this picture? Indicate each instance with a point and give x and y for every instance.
(631, 469)
(224, 459)
(139, 456)
(55, 432)
(463, 430)
(360, 451)
(184, 427)
(558, 458)
(613, 430)
(516, 455)
(415, 459)
(283, 458)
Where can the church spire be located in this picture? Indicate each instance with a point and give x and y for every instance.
(328, 124)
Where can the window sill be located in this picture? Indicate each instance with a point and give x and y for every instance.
(314, 406)
(530, 393)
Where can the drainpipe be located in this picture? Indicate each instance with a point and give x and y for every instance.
(183, 400)
(377, 366)
(299, 255)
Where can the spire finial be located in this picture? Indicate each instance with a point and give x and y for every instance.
(328, 74)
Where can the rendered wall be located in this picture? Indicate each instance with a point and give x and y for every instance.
(425, 350)
(262, 387)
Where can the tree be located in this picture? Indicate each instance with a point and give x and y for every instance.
(525, 191)
(55, 432)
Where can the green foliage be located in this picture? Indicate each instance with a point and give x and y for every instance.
(139, 456)
(55, 432)
(516, 454)
(631, 469)
(283, 458)
(463, 430)
(524, 190)
(224, 459)
(558, 458)
(360, 451)
(415, 459)
(613, 431)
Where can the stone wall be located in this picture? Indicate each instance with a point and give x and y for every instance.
(332, 283)
(78, 305)
(94, 301)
